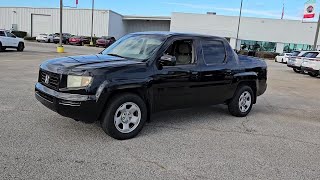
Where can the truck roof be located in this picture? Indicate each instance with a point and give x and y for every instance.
(167, 33)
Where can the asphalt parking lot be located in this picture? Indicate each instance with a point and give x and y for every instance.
(280, 139)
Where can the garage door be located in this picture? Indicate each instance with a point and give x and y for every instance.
(41, 24)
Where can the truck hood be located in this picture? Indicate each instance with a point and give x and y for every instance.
(61, 65)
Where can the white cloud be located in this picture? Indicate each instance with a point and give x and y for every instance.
(263, 13)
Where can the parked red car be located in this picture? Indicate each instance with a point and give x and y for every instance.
(79, 40)
(105, 41)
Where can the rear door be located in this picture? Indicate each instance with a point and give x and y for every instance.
(3, 38)
(216, 75)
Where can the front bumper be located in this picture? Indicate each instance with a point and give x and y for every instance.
(74, 42)
(41, 39)
(309, 69)
(294, 66)
(101, 44)
(79, 107)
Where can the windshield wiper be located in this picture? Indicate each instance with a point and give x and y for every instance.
(115, 55)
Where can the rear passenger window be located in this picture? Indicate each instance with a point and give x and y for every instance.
(2, 33)
(213, 52)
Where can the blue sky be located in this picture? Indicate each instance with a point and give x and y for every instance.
(251, 8)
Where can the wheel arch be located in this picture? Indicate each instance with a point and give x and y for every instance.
(142, 92)
(249, 79)
(253, 85)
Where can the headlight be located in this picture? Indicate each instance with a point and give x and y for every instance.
(78, 81)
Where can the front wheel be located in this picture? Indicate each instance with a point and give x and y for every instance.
(20, 47)
(313, 74)
(125, 116)
(242, 102)
(296, 70)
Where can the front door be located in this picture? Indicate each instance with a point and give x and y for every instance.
(11, 40)
(174, 86)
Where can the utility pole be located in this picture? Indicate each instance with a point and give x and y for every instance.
(239, 24)
(91, 42)
(317, 35)
(60, 48)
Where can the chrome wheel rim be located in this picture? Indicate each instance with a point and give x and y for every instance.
(245, 101)
(127, 117)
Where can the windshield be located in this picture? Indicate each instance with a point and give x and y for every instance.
(140, 47)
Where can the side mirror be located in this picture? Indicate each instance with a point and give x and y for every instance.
(167, 60)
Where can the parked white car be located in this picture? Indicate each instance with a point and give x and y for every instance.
(295, 61)
(9, 40)
(45, 38)
(283, 58)
(311, 64)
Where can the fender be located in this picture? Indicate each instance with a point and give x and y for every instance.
(138, 86)
(248, 77)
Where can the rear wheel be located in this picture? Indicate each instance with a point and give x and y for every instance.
(1, 48)
(296, 70)
(312, 74)
(20, 47)
(125, 116)
(48, 41)
(242, 102)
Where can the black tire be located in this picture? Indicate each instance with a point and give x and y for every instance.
(281, 60)
(108, 122)
(20, 47)
(48, 41)
(313, 74)
(55, 42)
(1, 48)
(296, 70)
(234, 107)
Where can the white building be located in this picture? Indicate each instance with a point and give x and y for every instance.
(255, 33)
(78, 21)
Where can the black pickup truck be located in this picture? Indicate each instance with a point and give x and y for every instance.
(144, 73)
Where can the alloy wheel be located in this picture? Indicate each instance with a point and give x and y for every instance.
(127, 117)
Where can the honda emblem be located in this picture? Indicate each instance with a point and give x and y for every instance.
(47, 79)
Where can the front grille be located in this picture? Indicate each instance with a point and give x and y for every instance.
(49, 79)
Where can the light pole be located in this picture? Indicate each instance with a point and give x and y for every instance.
(239, 24)
(317, 35)
(91, 42)
(60, 48)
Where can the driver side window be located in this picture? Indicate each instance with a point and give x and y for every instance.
(11, 35)
(183, 50)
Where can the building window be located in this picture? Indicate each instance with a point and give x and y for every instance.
(289, 47)
(258, 46)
